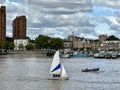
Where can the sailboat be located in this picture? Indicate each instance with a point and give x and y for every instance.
(57, 70)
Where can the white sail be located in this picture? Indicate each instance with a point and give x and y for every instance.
(57, 70)
(56, 65)
(63, 73)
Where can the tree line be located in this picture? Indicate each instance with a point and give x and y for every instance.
(41, 42)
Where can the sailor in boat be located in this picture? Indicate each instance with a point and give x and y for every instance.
(56, 75)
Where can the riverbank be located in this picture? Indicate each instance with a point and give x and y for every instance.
(28, 52)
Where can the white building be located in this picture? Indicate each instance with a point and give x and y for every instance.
(19, 42)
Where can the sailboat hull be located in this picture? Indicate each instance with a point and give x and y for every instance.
(59, 78)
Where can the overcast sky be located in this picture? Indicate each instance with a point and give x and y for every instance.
(59, 18)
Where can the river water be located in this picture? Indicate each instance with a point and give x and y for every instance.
(30, 72)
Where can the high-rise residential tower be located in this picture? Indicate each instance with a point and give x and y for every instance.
(2, 23)
(19, 27)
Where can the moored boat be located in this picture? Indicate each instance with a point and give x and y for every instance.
(65, 56)
(90, 69)
(108, 55)
(79, 55)
(3, 52)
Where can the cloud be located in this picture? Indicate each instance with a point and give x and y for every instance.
(1, 2)
(108, 3)
(61, 18)
(52, 17)
(107, 12)
(56, 17)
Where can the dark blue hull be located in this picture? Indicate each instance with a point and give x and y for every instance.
(80, 55)
(91, 69)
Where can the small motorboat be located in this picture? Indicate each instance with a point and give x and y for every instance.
(90, 69)
(65, 56)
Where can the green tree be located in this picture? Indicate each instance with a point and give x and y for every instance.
(11, 45)
(9, 39)
(48, 42)
(21, 46)
(3, 45)
(29, 46)
(112, 37)
(56, 43)
(42, 41)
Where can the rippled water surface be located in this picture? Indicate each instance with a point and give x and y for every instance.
(30, 72)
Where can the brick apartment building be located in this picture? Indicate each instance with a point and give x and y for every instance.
(19, 27)
(2, 23)
(96, 45)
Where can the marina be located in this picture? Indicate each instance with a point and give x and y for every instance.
(30, 72)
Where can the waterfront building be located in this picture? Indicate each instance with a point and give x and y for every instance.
(101, 44)
(2, 23)
(111, 45)
(77, 44)
(67, 44)
(102, 38)
(20, 44)
(19, 27)
(70, 38)
(95, 45)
